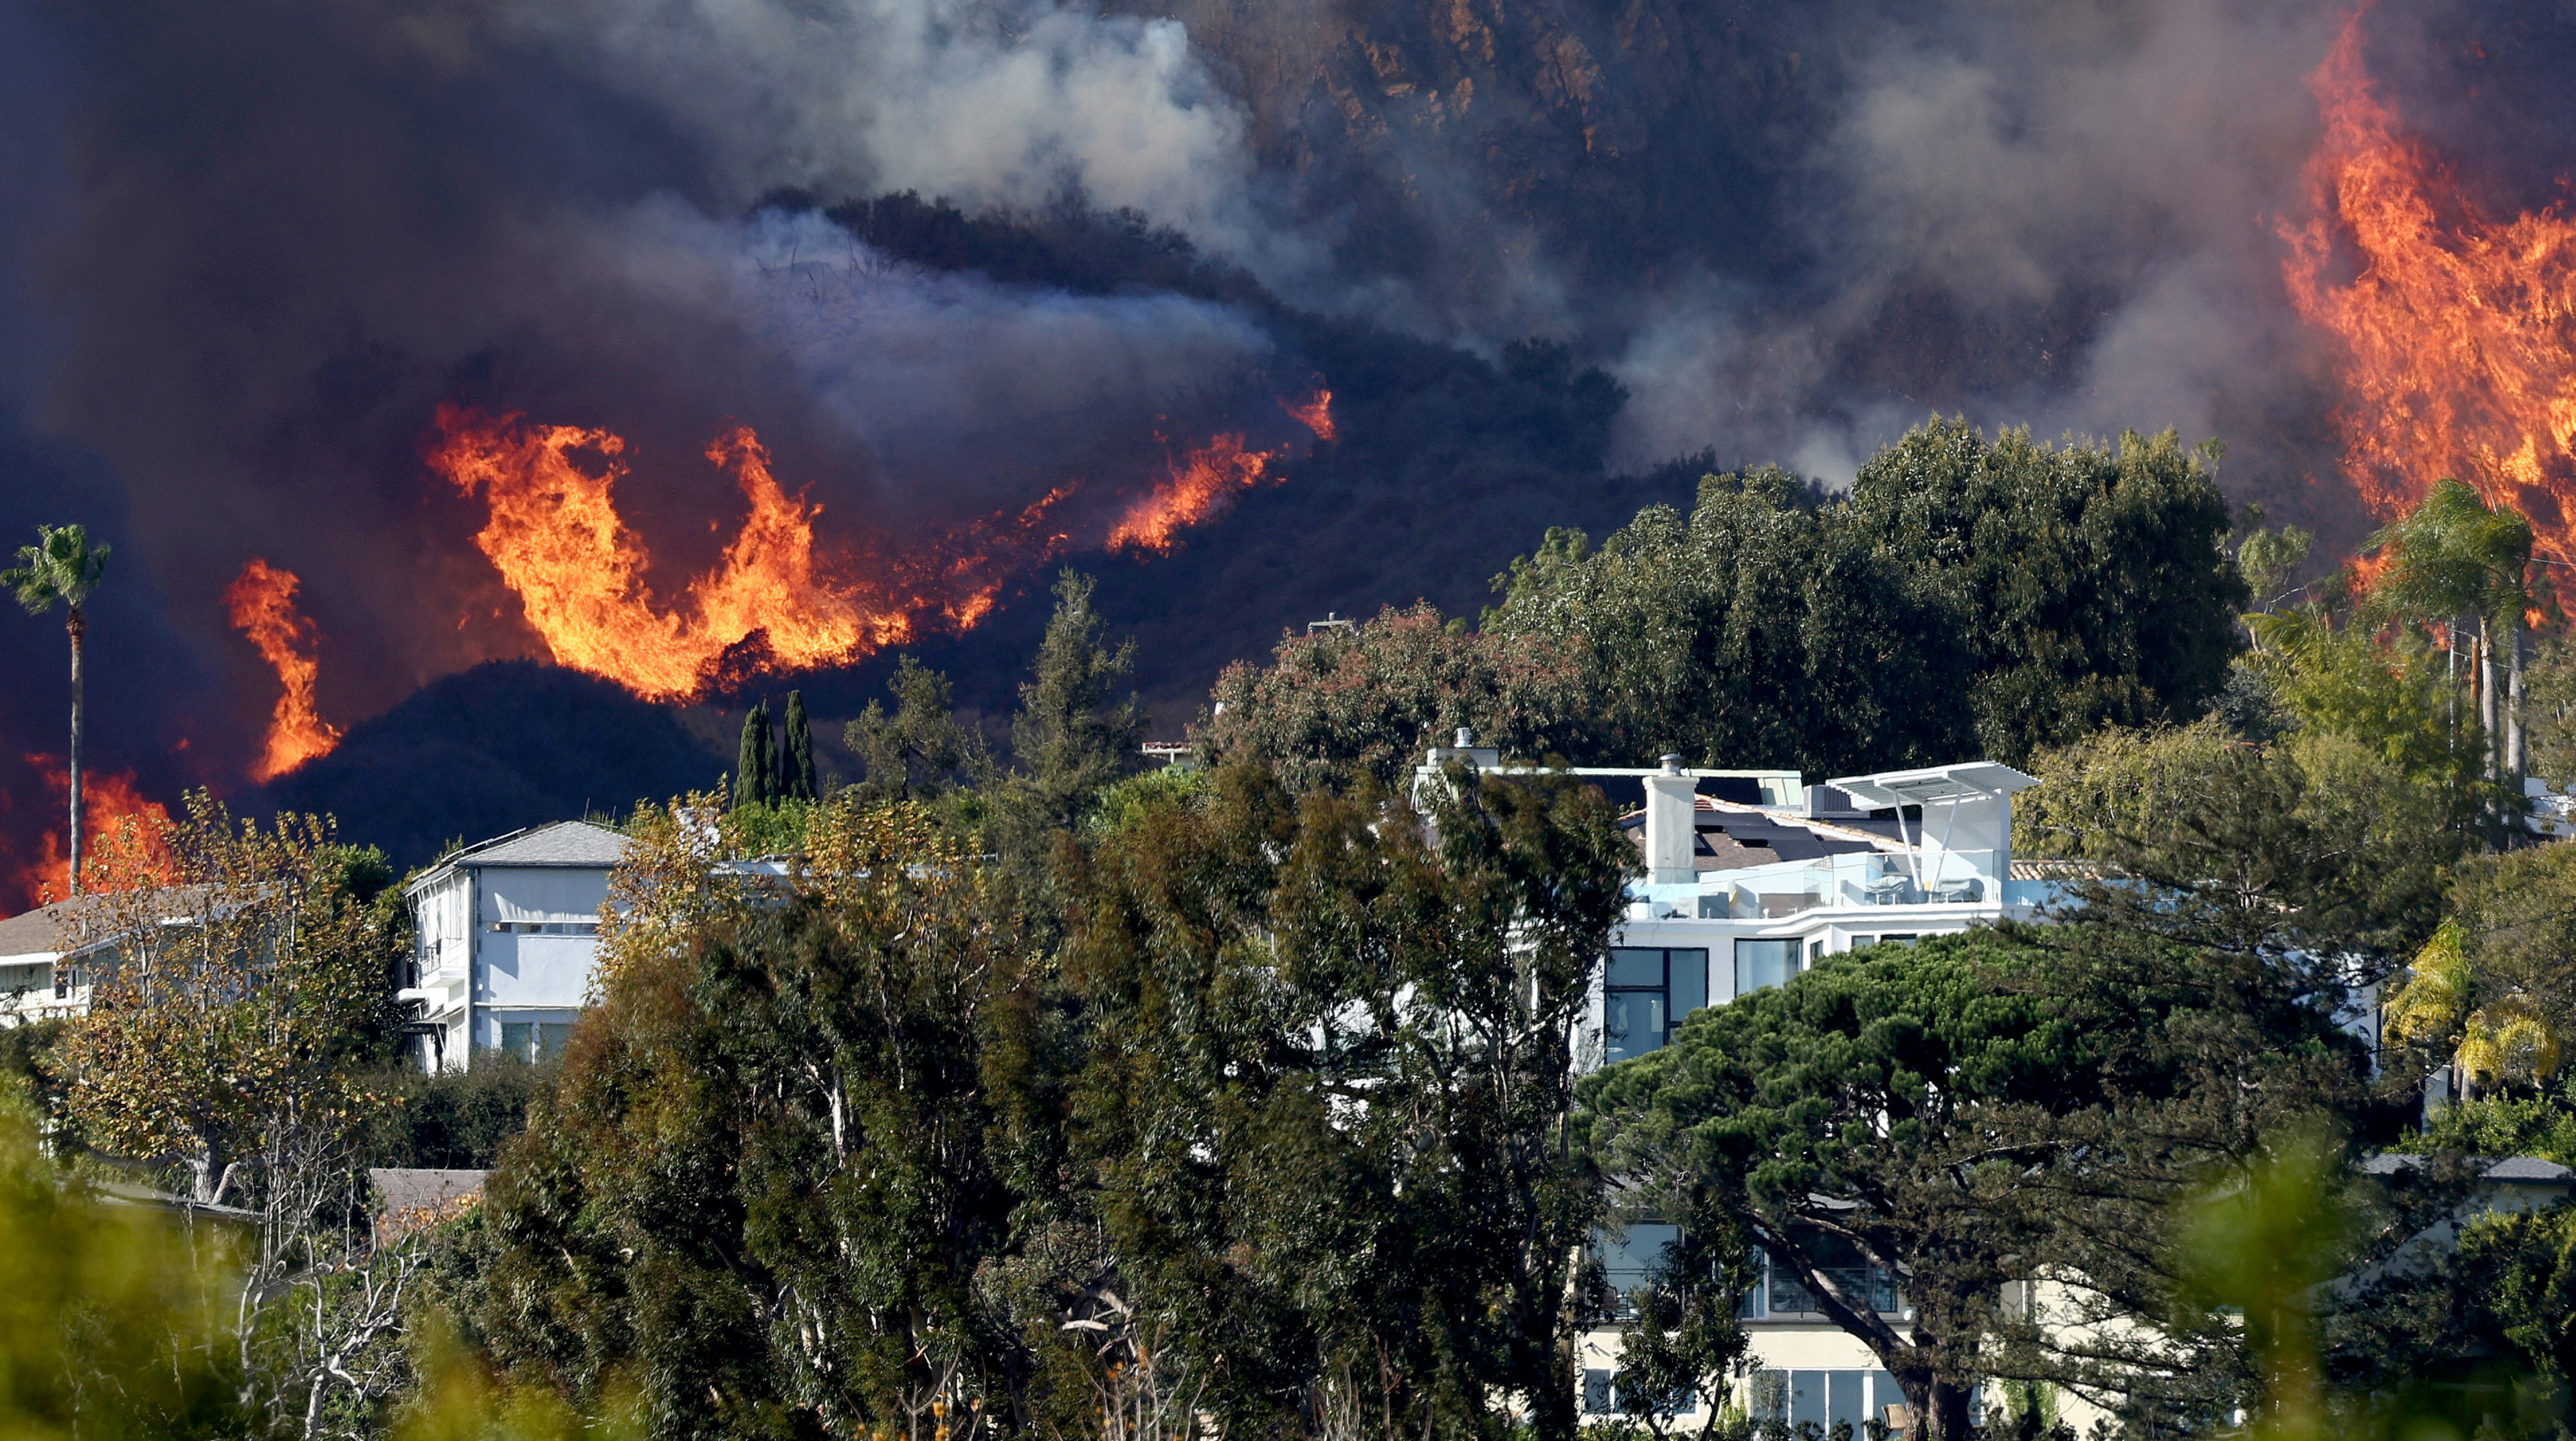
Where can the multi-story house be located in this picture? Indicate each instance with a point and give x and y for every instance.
(1750, 878)
(507, 936)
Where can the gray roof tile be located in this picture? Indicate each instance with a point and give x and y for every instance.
(564, 843)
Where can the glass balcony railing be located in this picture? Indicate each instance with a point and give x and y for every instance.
(1787, 888)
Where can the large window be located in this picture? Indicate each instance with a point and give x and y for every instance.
(1779, 1295)
(1645, 992)
(1617, 1393)
(1764, 963)
(534, 1040)
(1825, 1399)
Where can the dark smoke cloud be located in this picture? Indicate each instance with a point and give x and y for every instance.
(2071, 205)
(249, 248)
(290, 230)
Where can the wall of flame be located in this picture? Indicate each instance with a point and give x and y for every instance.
(2452, 330)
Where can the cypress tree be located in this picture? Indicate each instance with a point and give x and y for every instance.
(796, 774)
(753, 770)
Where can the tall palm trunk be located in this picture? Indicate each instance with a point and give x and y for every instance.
(2487, 696)
(2516, 758)
(79, 626)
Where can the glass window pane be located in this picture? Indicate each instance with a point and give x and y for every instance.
(1770, 1395)
(551, 1037)
(1635, 1024)
(517, 1038)
(1689, 990)
(1788, 1293)
(1596, 1392)
(1637, 968)
(1807, 1398)
(1845, 1399)
(1763, 963)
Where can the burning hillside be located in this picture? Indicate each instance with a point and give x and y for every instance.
(774, 604)
(2457, 330)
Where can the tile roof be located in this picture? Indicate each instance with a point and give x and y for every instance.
(564, 843)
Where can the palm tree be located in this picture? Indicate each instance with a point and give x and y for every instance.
(2453, 556)
(62, 568)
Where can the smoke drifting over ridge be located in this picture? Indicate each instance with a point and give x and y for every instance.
(250, 252)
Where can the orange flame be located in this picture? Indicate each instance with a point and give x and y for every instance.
(1198, 480)
(262, 601)
(123, 835)
(1316, 414)
(2456, 342)
(1201, 480)
(555, 535)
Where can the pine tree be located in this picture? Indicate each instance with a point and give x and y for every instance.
(796, 771)
(1069, 739)
(753, 770)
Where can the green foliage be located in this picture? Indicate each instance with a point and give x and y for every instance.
(2311, 846)
(755, 774)
(920, 752)
(1761, 631)
(116, 1321)
(796, 778)
(2520, 1266)
(763, 1186)
(2452, 556)
(2053, 588)
(2392, 693)
(2493, 992)
(2269, 559)
(239, 996)
(61, 568)
(2549, 710)
(1324, 1071)
(451, 1119)
(1124, 805)
(2527, 1123)
(2091, 579)
(2258, 1248)
(771, 828)
(1336, 703)
(1852, 1114)
(1974, 1111)
(1069, 738)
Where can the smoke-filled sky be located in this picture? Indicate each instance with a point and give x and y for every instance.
(247, 249)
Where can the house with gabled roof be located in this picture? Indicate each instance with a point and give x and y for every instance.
(506, 938)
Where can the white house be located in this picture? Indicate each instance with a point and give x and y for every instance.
(39, 965)
(1747, 884)
(507, 934)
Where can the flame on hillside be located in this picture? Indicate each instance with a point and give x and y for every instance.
(123, 838)
(262, 602)
(2457, 347)
(1202, 479)
(773, 602)
(770, 603)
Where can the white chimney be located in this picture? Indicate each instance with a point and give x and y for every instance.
(1672, 807)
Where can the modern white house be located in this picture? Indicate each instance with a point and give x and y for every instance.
(1751, 877)
(507, 935)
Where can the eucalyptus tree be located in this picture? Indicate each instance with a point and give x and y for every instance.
(62, 568)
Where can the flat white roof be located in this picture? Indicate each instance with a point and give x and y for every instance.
(1934, 785)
